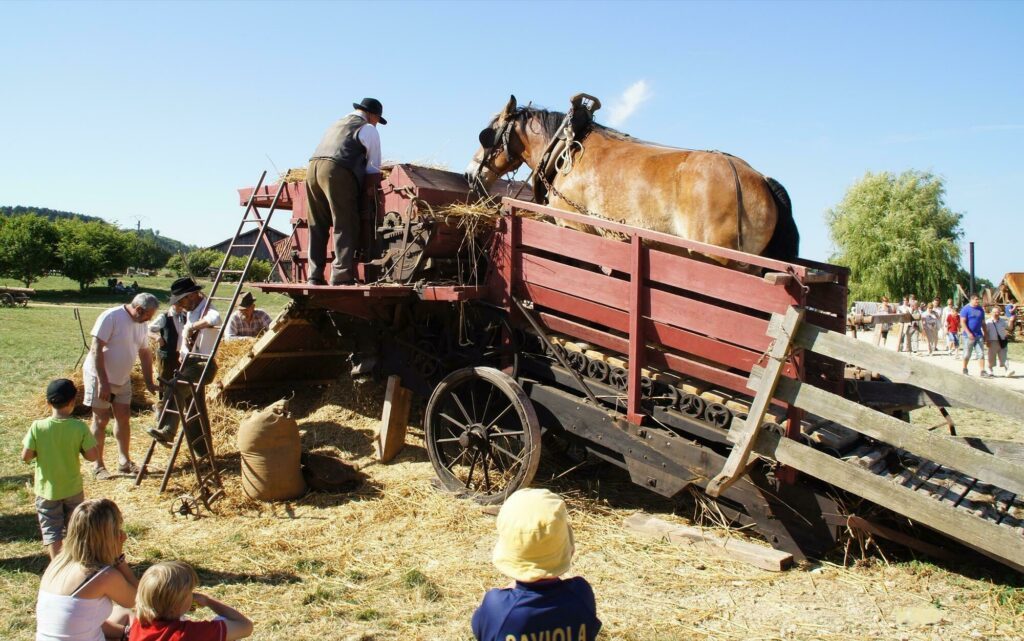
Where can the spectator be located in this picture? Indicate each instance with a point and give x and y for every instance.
(53, 444)
(535, 548)
(930, 322)
(195, 337)
(952, 325)
(119, 337)
(972, 318)
(997, 340)
(947, 311)
(247, 321)
(903, 308)
(88, 591)
(164, 598)
(912, 328)
(882, 329)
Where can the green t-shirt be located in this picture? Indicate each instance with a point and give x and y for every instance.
(57, 442)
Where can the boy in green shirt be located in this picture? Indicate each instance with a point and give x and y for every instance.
(54, 444)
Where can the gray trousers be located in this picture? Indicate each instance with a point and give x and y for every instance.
(332, 194)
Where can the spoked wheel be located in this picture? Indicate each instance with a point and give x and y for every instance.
(482, 434)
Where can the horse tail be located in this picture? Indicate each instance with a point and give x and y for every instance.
(785, 241)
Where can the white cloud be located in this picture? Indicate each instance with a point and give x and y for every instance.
(635, 95)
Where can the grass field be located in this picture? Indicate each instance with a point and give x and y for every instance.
(399, 560)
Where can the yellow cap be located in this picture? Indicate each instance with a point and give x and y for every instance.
(534, 537)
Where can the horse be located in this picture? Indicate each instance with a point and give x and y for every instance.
(705, 196)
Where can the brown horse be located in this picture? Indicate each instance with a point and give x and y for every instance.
(706, 196)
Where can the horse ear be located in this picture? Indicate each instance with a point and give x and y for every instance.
(510, 108)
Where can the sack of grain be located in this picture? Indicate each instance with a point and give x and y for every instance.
(269, 444)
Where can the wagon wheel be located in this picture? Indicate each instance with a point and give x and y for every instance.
(185, 505)
(23, 302)
(598, 370)
(6, 300)
(718, 414)
(692, 405)
(482, 434)
(578, 361)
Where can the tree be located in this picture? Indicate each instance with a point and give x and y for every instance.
(146, 252)
(89, 250)
(201, 262)
(27, 247)
(897, 236)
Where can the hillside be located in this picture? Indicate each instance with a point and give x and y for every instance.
(170, 244)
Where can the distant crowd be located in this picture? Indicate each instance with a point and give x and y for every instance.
(966, 332)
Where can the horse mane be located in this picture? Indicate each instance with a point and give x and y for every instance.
(551, 121)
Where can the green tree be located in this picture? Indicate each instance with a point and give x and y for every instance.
(897, 236)
(89, 250)
(203, 262)
(146, 252)
(27, 247)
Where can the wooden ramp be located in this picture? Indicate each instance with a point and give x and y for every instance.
(967, 490)
(300, 348)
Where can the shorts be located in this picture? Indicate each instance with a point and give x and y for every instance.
(54, 516)
(954, 338)
(121, 394)
(973, 343)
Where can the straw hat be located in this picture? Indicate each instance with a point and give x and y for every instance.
(534, 537)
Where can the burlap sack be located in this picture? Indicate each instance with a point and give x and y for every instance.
(268, 441)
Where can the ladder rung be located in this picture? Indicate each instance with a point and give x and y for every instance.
(232, 271)
(242, 246)
(259, 221)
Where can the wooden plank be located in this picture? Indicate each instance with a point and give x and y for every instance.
(709, 319)
(637, 348)
(717, 282)
(393, 422)
(302, 353)
(611, 292)
(661, 237)
(739, 456)
(896, 536)
(580, 245)
(969, 390)
(938, 447)
(732, 548)
(996, 541)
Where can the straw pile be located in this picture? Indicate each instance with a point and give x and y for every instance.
(296, 175)
(142, 400)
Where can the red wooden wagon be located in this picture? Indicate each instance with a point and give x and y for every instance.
(636, 348)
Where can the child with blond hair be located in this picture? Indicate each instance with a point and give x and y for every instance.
(166, 594)
(535, 547)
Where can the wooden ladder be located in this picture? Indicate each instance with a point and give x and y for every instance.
(209, 485)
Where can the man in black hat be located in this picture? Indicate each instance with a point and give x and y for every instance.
(195, 342)
(344, 169)
(247, 321)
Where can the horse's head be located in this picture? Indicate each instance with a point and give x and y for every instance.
(501, 149)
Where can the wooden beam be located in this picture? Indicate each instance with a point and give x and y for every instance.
(969, 390)
(394, 421)
(857, 523)
(739, 457)
(937, 447)
(301, 353)
(733, 548)
(1001, 543)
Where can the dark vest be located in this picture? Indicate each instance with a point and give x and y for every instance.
(341, 144)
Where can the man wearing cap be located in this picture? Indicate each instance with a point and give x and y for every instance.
(344, 168)
(195, 341)
(119, 337)
(247, 321)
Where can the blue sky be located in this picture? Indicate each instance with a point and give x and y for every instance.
(157, 111)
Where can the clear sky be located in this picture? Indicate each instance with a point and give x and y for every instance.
(158, 112)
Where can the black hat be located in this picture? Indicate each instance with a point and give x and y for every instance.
(247, 300)
(373, 106)
(182, 288)
(60, 392)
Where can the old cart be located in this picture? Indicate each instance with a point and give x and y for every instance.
(15, 296)
(646, 351)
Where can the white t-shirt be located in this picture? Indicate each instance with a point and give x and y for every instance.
(124, 338)
(205, 338)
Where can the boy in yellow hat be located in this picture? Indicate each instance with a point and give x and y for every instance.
(535, 547)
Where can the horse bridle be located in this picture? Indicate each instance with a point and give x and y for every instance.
(489, 140)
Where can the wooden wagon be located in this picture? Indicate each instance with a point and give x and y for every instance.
(641, 350)
(15, 296)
